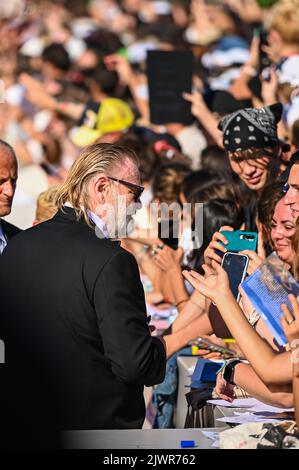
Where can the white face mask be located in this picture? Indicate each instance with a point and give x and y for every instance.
(119, 217)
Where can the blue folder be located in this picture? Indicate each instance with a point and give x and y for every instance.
(267, 288)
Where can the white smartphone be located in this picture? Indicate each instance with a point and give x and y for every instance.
(235, 264)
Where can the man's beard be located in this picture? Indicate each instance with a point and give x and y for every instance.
(121, 225)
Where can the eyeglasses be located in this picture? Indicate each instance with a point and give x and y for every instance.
(136, 190)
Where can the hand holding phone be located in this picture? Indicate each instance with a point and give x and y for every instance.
(240, 240)
(207, 345)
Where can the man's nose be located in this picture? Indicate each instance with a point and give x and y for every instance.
(289, 197)
(248, 168)
(8, 189)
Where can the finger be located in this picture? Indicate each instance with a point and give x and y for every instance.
(218, 268)
(260, 245)
(227, 228)
(225, 397)
(295, 306)
(286, 313)
(217, 246)
(202, 352)
(219, 237)
(188, 97)
(195, 275)
(191, 280)
(251, 254)
(212, 355)
(285, 325)
(208, 270)
(216, 258)
(179, 252)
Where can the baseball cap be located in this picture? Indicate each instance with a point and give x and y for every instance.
(113, 115)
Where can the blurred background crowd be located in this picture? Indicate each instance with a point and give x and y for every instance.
(59, 60)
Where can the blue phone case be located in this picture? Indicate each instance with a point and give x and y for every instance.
(240, 240)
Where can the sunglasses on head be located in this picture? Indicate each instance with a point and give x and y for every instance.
(134, 188)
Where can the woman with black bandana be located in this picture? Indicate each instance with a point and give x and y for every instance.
(254, 149)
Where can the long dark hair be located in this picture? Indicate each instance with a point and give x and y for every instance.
(215, 214)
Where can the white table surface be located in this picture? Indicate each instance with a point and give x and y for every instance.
(137, 439)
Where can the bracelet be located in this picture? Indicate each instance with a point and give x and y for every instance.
(228, 373)
(139, 257)
(253, 318)
(180, 302)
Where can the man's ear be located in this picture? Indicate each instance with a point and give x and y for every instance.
(100, 186)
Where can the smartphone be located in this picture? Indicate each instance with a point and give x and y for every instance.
(235, 265)
(203, 343)
(264, 61)
(239, 240)
(168, 231)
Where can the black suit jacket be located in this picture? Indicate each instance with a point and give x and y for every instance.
(77, 304)
(9, 230)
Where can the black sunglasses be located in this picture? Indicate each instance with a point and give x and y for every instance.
(136, 190)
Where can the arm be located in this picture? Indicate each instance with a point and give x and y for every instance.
(246, 378)
(270, 366)
(290, 324)
(200, 110)
(135, 356)
(192, 309)
(122, 66)
(37, 95)
(296, 390)
(179, 339)
(168, 260)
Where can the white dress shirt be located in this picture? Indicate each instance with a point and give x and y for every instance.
(100, 224)
(3, 241)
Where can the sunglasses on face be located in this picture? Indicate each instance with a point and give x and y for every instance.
(134, 188)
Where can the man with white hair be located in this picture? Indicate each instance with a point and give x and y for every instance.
(78, 298)
(8, 180)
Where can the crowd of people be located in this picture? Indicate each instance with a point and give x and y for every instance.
(75, 101)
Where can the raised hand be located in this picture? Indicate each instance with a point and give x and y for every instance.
(210, 253)
(214, 285)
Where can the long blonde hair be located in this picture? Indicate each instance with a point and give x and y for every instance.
(97, 158)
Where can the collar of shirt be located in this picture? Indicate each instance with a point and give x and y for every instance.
(96, 219)
(3, 241)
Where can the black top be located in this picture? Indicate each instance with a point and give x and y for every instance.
(9, 230)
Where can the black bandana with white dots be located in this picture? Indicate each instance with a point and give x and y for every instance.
(251, 128)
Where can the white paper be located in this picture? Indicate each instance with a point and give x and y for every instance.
(214, 436)
(237, 403)
(263, 408)
(211, 435)
(246, 418)
(216, 444)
